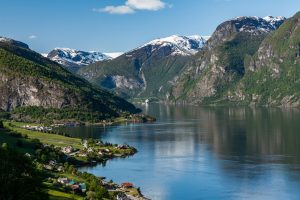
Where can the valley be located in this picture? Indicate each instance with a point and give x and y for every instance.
(181, 116)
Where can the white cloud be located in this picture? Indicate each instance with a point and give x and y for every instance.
(146, 4)
(31, 37)
(132, 5)
(116, 10)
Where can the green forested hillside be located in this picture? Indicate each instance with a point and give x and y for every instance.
(273, 73)
(28, 79)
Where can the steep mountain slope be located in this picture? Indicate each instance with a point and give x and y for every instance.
(273, 74)
(220, 65)
(148, 71)
(73, 59)
(29, 79)
(14, 42)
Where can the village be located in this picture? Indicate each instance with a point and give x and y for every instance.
(61, 162)
(94, 151)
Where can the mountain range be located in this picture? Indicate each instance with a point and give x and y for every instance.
(147, 71)
(184, 69)
(246, 61)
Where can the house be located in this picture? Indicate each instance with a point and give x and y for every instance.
(75, 187)
(82, 155)
(52, 162)
(60, 168)
(123, 147)
(48, 167)
(63, 180)
(90, 150)
(82, 187)
(71, 182)
(67, 150)
(127, 185)
(27, 155)
(85, 144)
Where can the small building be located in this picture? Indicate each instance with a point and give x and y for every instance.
(85, 144)
(48, 167)
(82, 155)
(123, 147)
(68, 149)
(90, 150)
(127, 185)
(27, 155)
(75, 187)
(82, 187)
(52, 162)
(63, 180)
(71, 182)
(60, 168)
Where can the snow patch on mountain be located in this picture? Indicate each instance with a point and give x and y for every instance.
(254, 24)
(114, 54)
(181, 45)
(67, 56)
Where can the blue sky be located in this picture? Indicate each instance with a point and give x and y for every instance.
(121, 25)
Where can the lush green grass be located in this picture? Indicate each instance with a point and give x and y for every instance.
(58, 195)
(56, 140)
(16, 142)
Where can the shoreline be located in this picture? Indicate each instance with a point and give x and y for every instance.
(90, 153)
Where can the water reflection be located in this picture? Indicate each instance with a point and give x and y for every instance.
(208, 153)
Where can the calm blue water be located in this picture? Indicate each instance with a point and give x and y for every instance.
(207, 153)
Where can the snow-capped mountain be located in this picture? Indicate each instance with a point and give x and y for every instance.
(74, 59)
(257, 24)
(148, 70)
(180, 45)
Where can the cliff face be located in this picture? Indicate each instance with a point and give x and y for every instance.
(19, 91)
(273, 73)
(221, 64)
(28, 79)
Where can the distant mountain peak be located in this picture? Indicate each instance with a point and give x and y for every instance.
(254, 24)
(74, 59)
(181, 45)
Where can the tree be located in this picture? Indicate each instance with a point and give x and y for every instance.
(5, 146)
(18, 177)
(1, 124)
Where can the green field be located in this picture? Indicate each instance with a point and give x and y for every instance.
(45, 138)
(14, 142)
